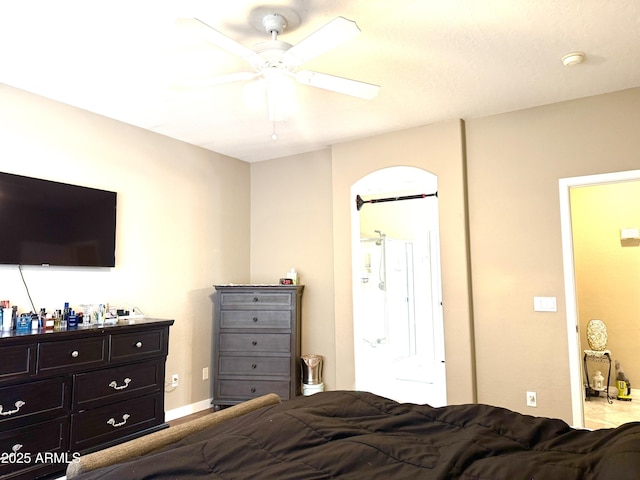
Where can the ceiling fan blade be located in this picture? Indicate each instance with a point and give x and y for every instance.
(337, 31)
(212, 81)
(354, 88)
(212, 35)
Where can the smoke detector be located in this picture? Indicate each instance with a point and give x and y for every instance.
(573, 58)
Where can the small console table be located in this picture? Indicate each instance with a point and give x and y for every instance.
(597, 356)
(69, 392)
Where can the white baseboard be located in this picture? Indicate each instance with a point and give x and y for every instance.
(187, 410)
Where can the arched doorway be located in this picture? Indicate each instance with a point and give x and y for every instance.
(397, 293)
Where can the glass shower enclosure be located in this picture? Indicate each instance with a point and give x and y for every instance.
(398, 322)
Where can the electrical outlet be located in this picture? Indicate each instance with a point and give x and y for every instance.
(532, 399)
(205, 373)
(174, 380)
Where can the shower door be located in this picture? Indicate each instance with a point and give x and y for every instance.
(396, 329)
(387, 294)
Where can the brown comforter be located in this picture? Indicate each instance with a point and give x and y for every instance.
(355, 435)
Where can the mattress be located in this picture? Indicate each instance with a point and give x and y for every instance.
(358, 435)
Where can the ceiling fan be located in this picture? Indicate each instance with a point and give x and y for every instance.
(277, 63)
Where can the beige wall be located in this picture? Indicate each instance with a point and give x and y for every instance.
(222, 220)
(514, 163)
(608, 269)
(291, 226)
(183, 223)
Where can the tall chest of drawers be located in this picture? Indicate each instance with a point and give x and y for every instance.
(65, 393)
(256, 342)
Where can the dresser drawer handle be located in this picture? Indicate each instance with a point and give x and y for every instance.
(253, 389)
(112, 421)
(255, 299)
(115, 386)
(138, 344)
(75, 354)
(18, 404)
(255, 319)
(254, 343)
(254, 366)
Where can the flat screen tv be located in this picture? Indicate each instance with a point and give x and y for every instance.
(52, 223)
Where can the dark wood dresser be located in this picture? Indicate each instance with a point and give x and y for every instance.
(256, 342)
(70, 392)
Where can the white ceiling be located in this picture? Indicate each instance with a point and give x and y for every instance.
(435, 60)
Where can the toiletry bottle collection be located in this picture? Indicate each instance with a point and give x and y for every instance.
(290, 278)
(61, 319)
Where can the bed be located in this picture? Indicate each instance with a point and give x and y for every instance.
(358, 435)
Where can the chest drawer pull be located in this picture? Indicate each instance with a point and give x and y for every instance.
(115, 386)
(255, 299)
(75, 354)
(254, 343)
(138, 344)
(18, 404)
(253, 389)
(254, 366)
(255, 319)
(112, 421)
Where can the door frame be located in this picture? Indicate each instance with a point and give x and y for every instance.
(381, 182)
(571, 304)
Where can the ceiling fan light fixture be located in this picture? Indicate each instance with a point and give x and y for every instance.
(253, 95)
(280, 92)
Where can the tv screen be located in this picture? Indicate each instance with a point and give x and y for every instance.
(52, 223)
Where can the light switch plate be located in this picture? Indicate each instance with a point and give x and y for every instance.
(545, 304)
(629, 234)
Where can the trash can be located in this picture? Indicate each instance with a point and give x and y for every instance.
(311, 374)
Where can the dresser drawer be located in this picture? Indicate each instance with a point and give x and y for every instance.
(79, 353)
(246, 389)
(254, 366)
(45, 398)
(97, 388)
(20, 447)
(256, 299)
(94, 427)
(17, 360)
(255, 342)
(138, 345)
(255, 319)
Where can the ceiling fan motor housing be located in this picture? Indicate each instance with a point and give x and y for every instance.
(274, 24)
(271, 52)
